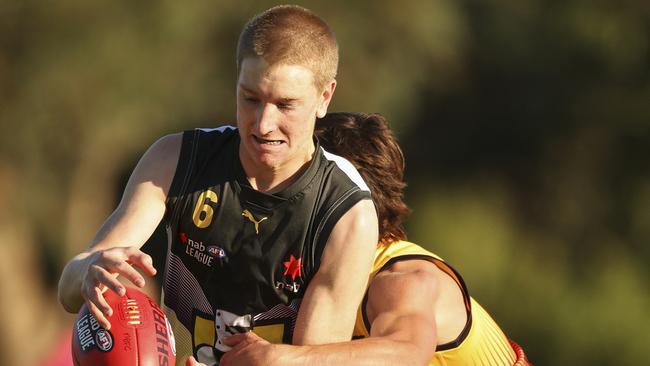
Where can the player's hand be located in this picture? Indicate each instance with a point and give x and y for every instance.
(247, 349)
(101, 274)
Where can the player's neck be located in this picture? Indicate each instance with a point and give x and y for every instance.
(276, 179)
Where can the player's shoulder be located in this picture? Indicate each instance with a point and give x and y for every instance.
(410, 285)
(166, 149)
(345, 168)
(169, 141)
(158, 164)
(413, 274)
(407, 266)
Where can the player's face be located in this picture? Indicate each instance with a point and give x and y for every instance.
(277, 107)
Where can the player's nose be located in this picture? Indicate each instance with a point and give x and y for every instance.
(267, 119)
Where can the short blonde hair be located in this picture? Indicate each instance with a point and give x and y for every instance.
(291, 34)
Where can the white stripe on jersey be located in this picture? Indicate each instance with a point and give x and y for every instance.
(347, 168)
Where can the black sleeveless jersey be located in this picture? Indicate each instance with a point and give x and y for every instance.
(239, 258)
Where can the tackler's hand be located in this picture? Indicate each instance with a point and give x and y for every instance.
(248, 349)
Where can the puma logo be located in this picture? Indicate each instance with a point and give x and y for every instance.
(250, 216)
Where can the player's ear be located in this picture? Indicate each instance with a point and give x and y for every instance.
(325, 98)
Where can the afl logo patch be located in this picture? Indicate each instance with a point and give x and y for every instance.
(216, 251)
(104, 340)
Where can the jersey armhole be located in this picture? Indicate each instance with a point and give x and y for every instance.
(449, 271)
(183, 172)
(327, 225)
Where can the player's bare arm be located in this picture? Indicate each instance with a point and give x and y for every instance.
(328, 310)
(403, 327)
(400, 309)
(115, 250)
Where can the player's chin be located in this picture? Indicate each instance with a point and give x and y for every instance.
(270, 160)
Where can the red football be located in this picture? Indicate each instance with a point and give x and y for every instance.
(140, 334)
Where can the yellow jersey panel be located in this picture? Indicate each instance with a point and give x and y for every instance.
(482, 342)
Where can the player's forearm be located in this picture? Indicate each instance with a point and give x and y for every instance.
(371, 351)
(326, 329)
(404, 340)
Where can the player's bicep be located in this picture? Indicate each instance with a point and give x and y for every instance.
(328, 310)
(401, 307)
(143, 202)
(352, 245)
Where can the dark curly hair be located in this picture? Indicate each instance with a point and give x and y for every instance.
(368, 143)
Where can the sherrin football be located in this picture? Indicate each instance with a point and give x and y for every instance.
(140, 334)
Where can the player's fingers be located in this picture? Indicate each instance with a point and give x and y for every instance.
(100, 303)
(116, 260)
(241, 342)
(227, 357)
(91, 291)
(142, 260)
(234, 355)
(235, 339)
(99, 316)
(130, 273)
(108, 279)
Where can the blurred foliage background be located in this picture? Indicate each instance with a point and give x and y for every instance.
(525, 124)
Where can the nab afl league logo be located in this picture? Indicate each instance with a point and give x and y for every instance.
(216, 251)
(104, 340)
